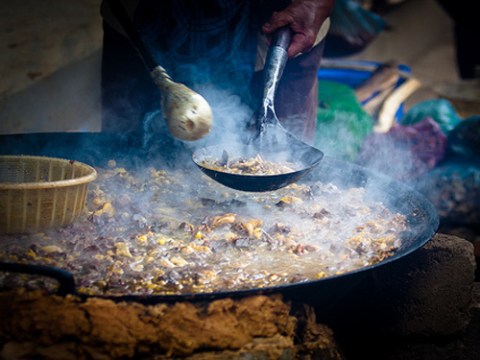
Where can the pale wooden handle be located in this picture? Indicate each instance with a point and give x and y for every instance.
(386, 117)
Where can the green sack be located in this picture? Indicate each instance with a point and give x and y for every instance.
(440, 110)
(342, 123)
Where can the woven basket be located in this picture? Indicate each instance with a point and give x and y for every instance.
(38, 193)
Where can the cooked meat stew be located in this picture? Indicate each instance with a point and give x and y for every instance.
(153, 232)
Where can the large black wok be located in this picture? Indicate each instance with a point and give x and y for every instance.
(97, 148)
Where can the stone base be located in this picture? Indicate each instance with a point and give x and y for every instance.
(420, 307)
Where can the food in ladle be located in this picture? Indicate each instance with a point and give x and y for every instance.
(255, 165)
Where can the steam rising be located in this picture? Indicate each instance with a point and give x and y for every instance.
(156, 231)
(390, 158)
(230, 117)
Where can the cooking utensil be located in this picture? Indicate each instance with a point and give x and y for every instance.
(270, 139)
(98, 148)
(187, 113)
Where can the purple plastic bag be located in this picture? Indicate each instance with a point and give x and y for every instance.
(405, 152)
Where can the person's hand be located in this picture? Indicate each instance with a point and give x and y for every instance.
(304, 17)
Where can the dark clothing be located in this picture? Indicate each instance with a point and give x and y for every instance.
(466, 34)
(198, 47)
(467, 50)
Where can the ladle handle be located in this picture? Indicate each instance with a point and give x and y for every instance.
(283, 37)
(126, 23)
(158, 73)
(275, 64)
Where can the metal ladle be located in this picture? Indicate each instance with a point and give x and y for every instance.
(187, 113)
(270, 140)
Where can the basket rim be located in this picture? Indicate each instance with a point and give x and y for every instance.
(48, 184)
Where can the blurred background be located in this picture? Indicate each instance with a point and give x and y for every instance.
(391, 95)
(50, 63)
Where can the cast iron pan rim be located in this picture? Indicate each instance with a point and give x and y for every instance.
(104, 143)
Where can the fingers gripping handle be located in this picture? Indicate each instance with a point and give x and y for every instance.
(282, 38)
